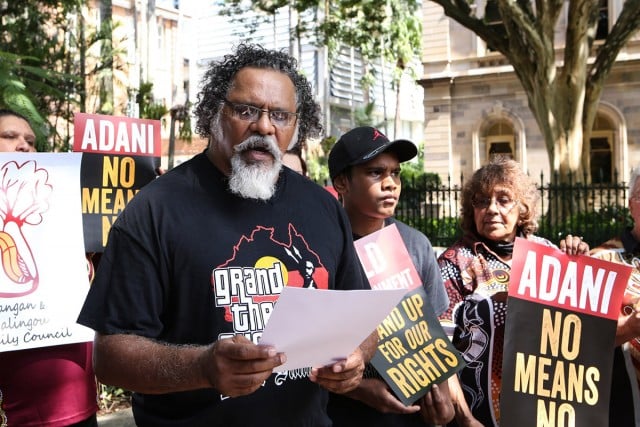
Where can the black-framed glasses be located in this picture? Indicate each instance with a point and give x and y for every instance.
(250, 113)
(505, 204)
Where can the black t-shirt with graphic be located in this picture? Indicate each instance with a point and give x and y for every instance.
(188, 263)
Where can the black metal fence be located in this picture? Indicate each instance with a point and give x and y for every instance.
(595, 211)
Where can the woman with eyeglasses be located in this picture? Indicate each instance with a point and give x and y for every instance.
(499, 203)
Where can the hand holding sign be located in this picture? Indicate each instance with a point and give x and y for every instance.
(413, 352)
(554, 372)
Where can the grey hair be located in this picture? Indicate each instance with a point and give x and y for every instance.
(219, 78)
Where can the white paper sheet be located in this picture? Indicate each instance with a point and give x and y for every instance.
(315, 327)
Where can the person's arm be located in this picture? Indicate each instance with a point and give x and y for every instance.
(463, 415)
(345, 375)
(233, 366)
(628, 324)
(369, 346)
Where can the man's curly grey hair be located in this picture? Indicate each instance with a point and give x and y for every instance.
(219, 77)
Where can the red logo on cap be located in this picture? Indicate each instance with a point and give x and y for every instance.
(376, 134)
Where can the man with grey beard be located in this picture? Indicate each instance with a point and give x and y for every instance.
(255, 180)
(197, 260)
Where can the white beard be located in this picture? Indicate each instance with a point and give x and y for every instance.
(255, 180)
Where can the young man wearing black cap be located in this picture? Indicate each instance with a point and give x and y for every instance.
(364, 166)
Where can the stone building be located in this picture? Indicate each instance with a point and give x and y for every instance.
(475, 106)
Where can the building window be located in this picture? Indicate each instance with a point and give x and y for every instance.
(500, 148)
(600, 154)
(500, 140)
(601, 151)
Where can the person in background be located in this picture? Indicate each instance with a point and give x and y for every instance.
(499, 203)
(196, 261)
(624, 404)
(47, 386)
(16, 133)
(293, 160)
(365, 169)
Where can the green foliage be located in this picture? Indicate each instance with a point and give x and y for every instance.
(440, 231)
(595, 227)
(111, 397)
(415, 178)
(155, 111)
(16, 93)
(363, 116)
(413, 175)
(180, 113)
(432, 208)
(149, 109)
(51, 38)
(317, 164)
(35, 31)
(185, 133)
(389, 29)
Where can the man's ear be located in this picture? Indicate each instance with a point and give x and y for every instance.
(340, 183)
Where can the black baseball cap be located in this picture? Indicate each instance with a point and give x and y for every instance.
(362, 144)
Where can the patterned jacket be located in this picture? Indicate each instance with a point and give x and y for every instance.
(477, 282)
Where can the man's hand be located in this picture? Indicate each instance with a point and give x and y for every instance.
(375, 393)
(237, 366)
(436, 406)
(342, 376)
(234, 366)
(574, 245)
(628, 322)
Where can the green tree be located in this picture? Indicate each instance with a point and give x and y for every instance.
(317, 163)
(15, 95)
(105, 77)
(33, 34)
(363, 116)
(563, 98)
(389, 30)
(149, 108)
(52, 64)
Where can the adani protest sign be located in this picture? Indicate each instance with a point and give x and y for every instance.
(559, 337)
(121, 155)
(413, 351)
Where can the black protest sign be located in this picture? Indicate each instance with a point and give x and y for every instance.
(559, 338)
(120, 156)
(413, 350)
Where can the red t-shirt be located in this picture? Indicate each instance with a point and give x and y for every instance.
(48, 386)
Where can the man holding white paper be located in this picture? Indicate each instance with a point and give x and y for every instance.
(197, 260)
